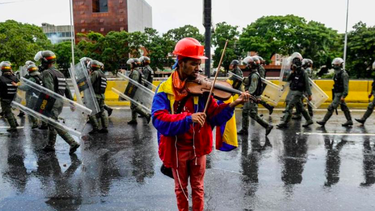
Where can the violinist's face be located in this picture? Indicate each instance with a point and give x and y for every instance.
(190, 68)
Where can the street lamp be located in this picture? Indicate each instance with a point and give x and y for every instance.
(346, 32)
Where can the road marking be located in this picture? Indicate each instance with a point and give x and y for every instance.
(338, 134)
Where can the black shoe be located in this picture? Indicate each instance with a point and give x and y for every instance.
(73, 148)
(48, 149)
(109, 111)
(148, 118)
(132, 122)
(282, 125)
(12, 130)
(242, 132)
(93, 131)
(34, 126)
(21, 114)
(43, 127)
(311, 114)
(308, 123)
(297, 117)
(271, 110)
(362, 121)
(348, 123)
(322, 123)
(103, 130)
(268, 130)
(284, 111)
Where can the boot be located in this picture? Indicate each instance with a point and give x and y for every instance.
(268, 129)
(48, 148)
(348, 117)
(297, 117)
(365, 116)
(109, 110)
(132, 122)
(12, 130)
(21, 114)
(103, 130)
(308, 123)
(326, 118)
(268, 107)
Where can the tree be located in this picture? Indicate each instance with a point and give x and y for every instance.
(20, 42)
(63, 53)
(184, 31)
(287, 34)
(223, 32)
(361, 51)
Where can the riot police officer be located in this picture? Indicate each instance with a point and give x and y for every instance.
(99, 83)
(340, 92)
(262, 72)
(306, 65)
(147, 71)
(55, 81)
(8, 89)
(33, 76)
(371, 105)
(299, 84)
(236, 82)
(136, 75)
(250, 108)
(106, 107)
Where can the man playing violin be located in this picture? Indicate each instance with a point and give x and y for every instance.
(184, 131)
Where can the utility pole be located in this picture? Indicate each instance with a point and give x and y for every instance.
(346, 33)
(72, 29)
(207, 22)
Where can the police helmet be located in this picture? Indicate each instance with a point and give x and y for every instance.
(94, 65)
(145, 60)
(373, 66)
(235, 62)
(32, 68)
(337, 63)
(46, 57)
(5, 66)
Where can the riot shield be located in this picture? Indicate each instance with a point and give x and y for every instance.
(138, 93)
(318, 95)
(41, 103)
(149, 85)
(23, 71)
(82, 82)
(271, 93)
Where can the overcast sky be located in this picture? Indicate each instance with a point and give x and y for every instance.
(168, 14)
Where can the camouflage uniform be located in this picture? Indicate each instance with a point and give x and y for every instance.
(370, 107)
(36, 78)
(299, 83)
(148, 74)
(340, 90)
(251, 108)
(7, 93)
(99, 83)
(55, 81)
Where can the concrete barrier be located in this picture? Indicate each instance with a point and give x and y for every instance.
(357, 98)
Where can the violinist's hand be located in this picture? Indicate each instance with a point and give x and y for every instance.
(199, 117)
(243, 98)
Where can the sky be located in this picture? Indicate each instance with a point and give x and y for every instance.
(169, 14)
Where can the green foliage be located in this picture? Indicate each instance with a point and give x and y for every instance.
(184, 31)
(63, 53)
(223, 32)
(287, 34)
(20, 42)
(361, 51)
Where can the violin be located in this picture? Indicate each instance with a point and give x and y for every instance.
(222, 89)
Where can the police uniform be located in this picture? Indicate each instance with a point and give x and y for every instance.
(7, 93)
(251, 108)
(262, 73)
(236, 81)
(299, 83)
(55, 81)
(370, 107)
(136, 75)
(148, 74)
(340, 90)
(99, 83)
(30, 100)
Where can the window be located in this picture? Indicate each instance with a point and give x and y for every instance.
(100, 5)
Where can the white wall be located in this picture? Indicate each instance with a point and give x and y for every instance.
(139, 15)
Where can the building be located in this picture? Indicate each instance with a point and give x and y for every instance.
(57, 34)
(103, 16)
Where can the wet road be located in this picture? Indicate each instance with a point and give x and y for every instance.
(294, 169)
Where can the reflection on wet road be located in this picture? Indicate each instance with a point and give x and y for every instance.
(292, 169)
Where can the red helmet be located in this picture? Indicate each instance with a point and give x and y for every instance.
(189, 47)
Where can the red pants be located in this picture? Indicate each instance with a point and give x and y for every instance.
(188, 166)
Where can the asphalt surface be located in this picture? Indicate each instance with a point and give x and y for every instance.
(292, 169)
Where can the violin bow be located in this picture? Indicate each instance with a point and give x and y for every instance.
(216, 74)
